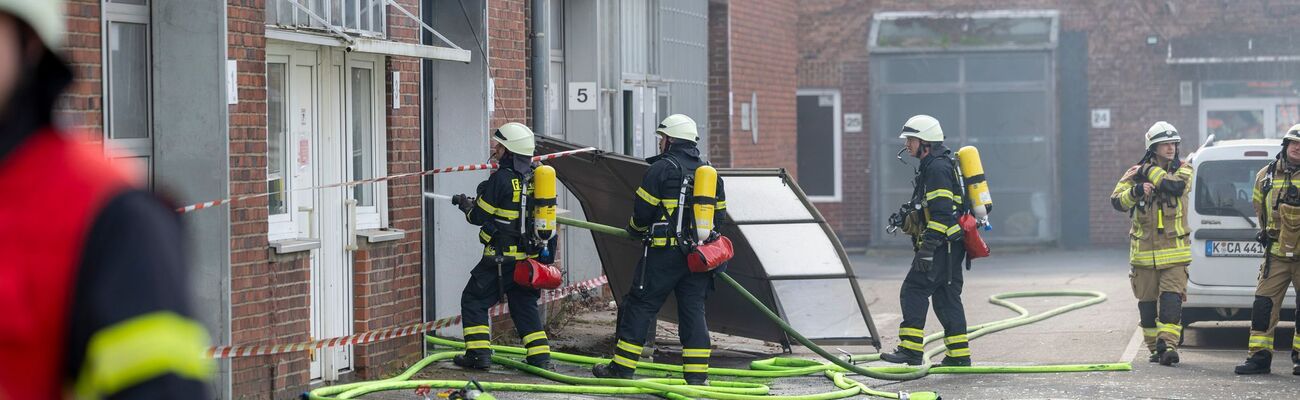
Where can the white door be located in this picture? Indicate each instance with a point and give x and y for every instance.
(315, 158)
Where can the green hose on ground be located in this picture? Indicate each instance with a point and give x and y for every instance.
(777, 367)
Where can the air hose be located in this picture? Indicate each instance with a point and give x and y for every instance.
(777, 367)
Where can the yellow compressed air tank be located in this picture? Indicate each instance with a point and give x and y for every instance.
(706, 200)
(977, 188)
(544, 202)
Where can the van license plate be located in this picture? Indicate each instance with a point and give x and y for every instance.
(1218, 248)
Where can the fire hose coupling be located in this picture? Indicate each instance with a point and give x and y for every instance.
(919, 396)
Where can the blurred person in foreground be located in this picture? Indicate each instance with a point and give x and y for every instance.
(92, 283)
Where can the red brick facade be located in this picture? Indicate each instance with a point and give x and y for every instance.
(1125, 74)
(82, 105)
(753, 52)
(510, 49)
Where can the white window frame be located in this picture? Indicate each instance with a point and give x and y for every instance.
(372, 217)
(126, 150)
(838, 143)
(282, 226)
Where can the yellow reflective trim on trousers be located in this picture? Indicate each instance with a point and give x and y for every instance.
(934, 194)
(142, 348)
(534, 336)
(1173, 329)
(695, 368)
(628, 347)
(954, 339)
(911, 332)
(645, 196)
(500, 212)
(1295, 342)
(477, 329)
(478, 344)
(1260, 342)
(696, 353)
(1150, 332)
(962, 352)
(535, 350)
(910, 345)
(624, 361)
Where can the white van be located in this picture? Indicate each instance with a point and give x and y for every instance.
(1225, 256)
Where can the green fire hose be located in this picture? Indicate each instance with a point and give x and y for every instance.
(778, 367)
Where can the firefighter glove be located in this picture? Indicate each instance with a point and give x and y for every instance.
(463, 202)
(1138, 190)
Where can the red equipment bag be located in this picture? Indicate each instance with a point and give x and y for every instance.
(975, 246)
(707, 256)
(532, 274)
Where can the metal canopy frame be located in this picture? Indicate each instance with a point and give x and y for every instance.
(339, 38)
(605, 185)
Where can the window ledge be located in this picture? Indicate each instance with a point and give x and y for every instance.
(294, 245)
(381, 235)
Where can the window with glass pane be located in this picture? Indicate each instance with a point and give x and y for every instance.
(363, 130)
(276, 94)
(128, 85)
(131, 2)
(949, 32)
(1235, 124)
(1225, 188)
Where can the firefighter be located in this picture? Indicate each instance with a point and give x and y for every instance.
(1277, 204)
(1154, 193)
(504, 232)
(93, 286)
(937, 238)
(663, 267)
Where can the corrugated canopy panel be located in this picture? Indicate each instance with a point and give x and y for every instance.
(786, 254)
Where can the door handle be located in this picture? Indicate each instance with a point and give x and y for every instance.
(352, 225)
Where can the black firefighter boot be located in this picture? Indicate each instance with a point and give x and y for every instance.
(1168, 354)
(611, 371)
(1295, 362)
(473, 360)
(903, 356)
(1258, 363)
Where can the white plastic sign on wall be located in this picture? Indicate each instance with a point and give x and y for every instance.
(232, 82)
(582, 96)
(853, 122)
(1101, 118)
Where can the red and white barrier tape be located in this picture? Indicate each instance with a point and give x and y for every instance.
(461, 168)
(391, 333)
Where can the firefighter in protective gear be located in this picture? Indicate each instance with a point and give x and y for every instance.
(661, 202)
(95, 304)
(937, 238)
(1154, 193)
(507, 236)
(1277, 204)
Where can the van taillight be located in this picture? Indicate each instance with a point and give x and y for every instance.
(1256, 153)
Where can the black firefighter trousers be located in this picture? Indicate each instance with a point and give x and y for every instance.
(483, 291)
(664, 271)
(943, 283)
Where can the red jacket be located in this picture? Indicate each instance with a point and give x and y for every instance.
(51, 190)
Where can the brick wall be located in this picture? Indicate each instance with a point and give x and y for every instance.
(760, 58)
(253, 296)
(509, 49)
(719, 84)
(1125, 75)
(387, 280)
(82, 106)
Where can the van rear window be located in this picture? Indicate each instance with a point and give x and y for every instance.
(1224, 187)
